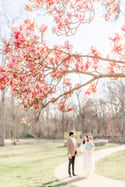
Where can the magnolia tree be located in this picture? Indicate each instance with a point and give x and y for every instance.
(39, 74)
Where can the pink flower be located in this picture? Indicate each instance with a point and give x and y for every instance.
(36, 106)
(123, 28)
(25, 121)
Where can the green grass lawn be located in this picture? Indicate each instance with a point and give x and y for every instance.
(112, 166)
(31, 165)
(108, 145)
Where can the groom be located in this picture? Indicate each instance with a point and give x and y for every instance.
(72, 151)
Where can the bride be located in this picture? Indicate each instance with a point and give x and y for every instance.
(87, 147)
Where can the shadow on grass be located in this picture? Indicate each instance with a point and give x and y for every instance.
(57, 183)
(54, 183)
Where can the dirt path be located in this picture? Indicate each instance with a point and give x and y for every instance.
(94, 180)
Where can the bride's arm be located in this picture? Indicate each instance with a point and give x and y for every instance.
(82, 147)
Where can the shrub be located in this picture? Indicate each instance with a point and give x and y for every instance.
(77, 135)
(29, 136)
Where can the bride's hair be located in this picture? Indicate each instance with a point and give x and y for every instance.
(83, 142)
(86, 137)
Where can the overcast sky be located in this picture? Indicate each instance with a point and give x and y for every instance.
(96, 33)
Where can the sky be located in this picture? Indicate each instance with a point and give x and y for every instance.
(94, 34)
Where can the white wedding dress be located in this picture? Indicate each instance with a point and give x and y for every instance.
(88, 157)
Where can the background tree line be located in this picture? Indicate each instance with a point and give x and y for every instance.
(102, 116)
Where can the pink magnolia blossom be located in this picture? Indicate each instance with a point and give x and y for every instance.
(25, 121)
(35, 71)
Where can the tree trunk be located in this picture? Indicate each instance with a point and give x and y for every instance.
(2, 124)
(1, 135)
(63, 118)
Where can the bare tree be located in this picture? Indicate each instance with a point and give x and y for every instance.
(7, 23)
(117, 102)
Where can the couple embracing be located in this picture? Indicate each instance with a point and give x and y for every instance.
(87, 146)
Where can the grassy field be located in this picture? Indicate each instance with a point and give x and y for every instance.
(108, 145)
(112, 166)
(31, 165)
